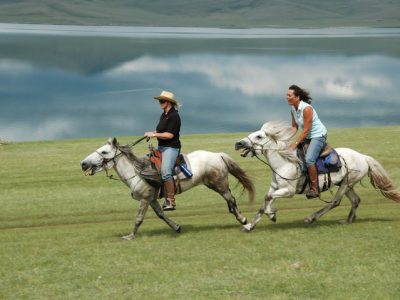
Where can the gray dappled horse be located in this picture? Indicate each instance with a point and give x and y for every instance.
(208, 168)
(273, 142)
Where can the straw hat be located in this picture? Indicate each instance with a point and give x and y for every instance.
(168, 96)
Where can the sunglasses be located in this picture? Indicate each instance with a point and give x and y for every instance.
(161, 101)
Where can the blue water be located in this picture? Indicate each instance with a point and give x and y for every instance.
(60, 82)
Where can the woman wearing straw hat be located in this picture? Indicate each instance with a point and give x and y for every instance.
(167, 134)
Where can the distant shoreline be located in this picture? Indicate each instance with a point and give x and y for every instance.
(196, 32)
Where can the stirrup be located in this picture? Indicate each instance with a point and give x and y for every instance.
(169, 205)
(312, 194)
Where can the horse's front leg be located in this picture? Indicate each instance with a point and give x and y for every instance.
(160, 213)
(267, 208)
(250, 226)
(144, 204)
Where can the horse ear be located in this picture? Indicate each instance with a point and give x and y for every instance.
(265, 130)
(112, 141)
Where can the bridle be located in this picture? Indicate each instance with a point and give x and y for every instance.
(262, 149)
(107, 160)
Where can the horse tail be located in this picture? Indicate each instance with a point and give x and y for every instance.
(235, 170)
(380, 179)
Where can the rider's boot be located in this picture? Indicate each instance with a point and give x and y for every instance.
(169, 190)
(314, 189)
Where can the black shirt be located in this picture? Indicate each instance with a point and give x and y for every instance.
(170, 122)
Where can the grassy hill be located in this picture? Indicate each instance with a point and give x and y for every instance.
(205, 13)
(60, 232)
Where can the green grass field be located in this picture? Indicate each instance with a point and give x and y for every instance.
(60, 232)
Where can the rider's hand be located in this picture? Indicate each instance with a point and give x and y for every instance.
(149, 134)
(293, 146)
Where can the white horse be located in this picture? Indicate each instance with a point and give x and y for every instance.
(208, 168)
(273, 142)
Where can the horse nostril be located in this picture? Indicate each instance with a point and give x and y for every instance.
(84, 166)
(238, 145)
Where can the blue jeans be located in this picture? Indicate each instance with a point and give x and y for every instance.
(314, 149)
(169, 156)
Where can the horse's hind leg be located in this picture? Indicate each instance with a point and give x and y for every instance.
(231, 202)
(334, 203)
(160, 213)
(355, 201)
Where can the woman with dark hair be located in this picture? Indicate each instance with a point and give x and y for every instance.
(167, 134)
(313, 132)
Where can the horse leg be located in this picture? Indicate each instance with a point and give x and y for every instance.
(277, 191)
(143, 206)
(249, 227)
(355, 201)
(231, 201)
(225, 192)
(334, 203)
(273, 193)
(160, 213)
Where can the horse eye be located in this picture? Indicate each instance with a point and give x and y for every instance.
(259, 137)
(104, 152)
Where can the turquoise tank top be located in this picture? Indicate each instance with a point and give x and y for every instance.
(317, 128)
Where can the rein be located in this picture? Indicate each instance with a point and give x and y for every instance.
(106, 161)
(253, 150)
(139, 140)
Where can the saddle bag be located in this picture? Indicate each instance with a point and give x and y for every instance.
(327, 162)
(331, 162)
(180, 164)
(156, 159)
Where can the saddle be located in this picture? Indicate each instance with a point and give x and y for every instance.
(181, 166)
(152, 173)
(328, 162)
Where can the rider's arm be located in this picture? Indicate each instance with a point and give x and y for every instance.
(159, 135)
(307, 119)
(294, 125)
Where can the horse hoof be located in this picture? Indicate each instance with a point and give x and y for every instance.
(273, 218)
(129, 237)
(246, 228)
(244, 221)
(309, 220)
(345, 222)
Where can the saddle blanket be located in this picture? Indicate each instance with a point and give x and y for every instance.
(327, 164)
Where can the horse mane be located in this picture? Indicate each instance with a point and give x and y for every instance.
(139, 163)
(281, 133)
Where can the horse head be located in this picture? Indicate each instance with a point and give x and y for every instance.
(102, 158)
(252, 145)
(273, 135)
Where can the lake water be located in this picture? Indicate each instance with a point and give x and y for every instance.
(60, 82)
